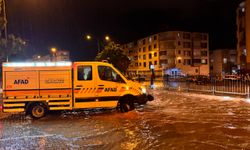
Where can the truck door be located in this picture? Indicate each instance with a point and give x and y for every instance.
(109, 84)
(84, 86)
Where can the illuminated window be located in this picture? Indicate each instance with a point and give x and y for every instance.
(204, 61)
(224, 60)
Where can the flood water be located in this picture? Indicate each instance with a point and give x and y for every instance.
(173, 121)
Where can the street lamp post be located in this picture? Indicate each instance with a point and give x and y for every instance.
(53, 50)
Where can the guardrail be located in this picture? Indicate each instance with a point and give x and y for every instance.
(234, 87)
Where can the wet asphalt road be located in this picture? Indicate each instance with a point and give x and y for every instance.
(173, 121)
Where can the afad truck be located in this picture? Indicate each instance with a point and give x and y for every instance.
(38, 87)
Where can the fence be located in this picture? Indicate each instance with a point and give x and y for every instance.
(234, 87)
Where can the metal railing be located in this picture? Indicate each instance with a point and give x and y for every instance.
(234, 87)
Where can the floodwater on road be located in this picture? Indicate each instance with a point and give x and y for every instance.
(174, 120)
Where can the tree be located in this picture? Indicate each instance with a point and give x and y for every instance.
(11, 47)
(115, 55)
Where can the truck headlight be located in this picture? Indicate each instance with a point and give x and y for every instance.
(143, 90)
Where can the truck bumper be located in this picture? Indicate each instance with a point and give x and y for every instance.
(142, 99)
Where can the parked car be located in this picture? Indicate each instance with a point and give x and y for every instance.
(202, 79)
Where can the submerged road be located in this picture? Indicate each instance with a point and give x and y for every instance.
(174, 120)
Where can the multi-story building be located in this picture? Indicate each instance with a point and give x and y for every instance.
(243, 35)
(223, 61)
(172, 52)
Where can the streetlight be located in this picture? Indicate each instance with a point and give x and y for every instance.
(53, 51)
(99, 42)
(88, 37)
(107, 38)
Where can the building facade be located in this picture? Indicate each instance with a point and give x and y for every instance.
(172, 52)
(223, 61)
(243, 35)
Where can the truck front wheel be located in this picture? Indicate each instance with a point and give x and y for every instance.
(37, 110)
(127, 104)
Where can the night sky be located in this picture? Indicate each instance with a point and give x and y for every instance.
(63, 23)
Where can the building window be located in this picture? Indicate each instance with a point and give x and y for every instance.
(155, 46)
(203, 53)
(179, 61)
(179, 43)
(149, 39)
(136, 64)
(143, 41)
(204, 37)
(155, 54)
(204, 61)
(150, 56)
(139, 49)
(155, 37)
(186, 45)
(186, 36)
(196, 70)
(179, 52)
(163, 53)
(150, 63)
(149, 48)
(203, 45)
(144, 49)
(144, 57)
(144, 64)
(155, 63)
(139, 64)
(163, 62)
(224, 60)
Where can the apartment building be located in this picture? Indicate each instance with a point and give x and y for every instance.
(171, 52)
(243, 35)
(223, 61)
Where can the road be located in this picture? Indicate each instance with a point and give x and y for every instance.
(175, 120)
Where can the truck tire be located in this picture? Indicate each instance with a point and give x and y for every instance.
(127, 104)
(124, 107)
(37, 110)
